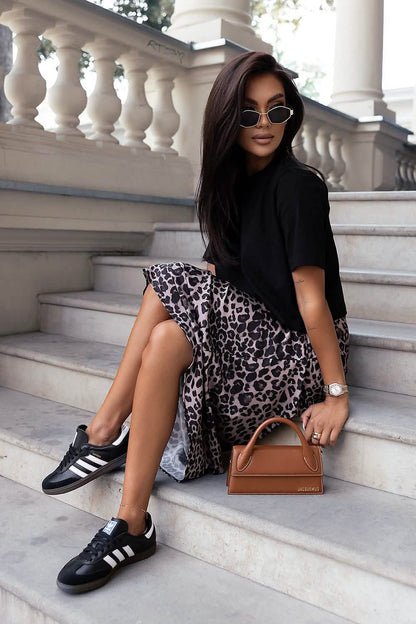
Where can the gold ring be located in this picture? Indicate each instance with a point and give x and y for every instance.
(316, 435)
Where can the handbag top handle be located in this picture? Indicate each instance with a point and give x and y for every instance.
(308, 451)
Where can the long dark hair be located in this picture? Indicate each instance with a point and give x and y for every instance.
(223, 160)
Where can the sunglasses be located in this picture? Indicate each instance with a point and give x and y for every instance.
(276, 115)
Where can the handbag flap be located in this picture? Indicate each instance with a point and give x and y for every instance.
(276, 460)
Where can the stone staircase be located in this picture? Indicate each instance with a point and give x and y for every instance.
(347, 556)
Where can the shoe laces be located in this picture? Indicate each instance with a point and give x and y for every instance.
(97, 547)
(71, 453)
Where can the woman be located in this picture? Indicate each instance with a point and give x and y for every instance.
(213, 353)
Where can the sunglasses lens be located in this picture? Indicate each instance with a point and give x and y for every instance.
(249, 118)
(279, 114)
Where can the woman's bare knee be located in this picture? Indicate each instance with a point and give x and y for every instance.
(168, 340)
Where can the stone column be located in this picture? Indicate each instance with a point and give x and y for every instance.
(207, 20)
(358, 61)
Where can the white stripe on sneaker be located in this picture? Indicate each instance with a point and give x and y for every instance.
(124, 431)
(129, 551)
(96, 460)
(150, 531)
(118, 554)
(84, 464)
(110, 561)
(78, 472)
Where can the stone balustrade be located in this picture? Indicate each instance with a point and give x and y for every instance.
(75, 25)
(322, 140)
(168, 82)
(406, 168)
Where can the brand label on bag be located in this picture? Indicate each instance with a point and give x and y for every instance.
(308, 489)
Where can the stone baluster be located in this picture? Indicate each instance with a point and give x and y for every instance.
(410, 183)
(299, 145)
(24, 86)
(327, 162)
(399, 182)
(136, 113)
(165, 118)
(310, 132)
(104, 106)
(406, 174)
(413, 174)
(66, 97)
(339, 166)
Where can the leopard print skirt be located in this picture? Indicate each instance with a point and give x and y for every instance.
(245, 367)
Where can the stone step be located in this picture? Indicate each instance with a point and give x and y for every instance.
(123, 274)
(381, 207)
(341, 536)
(40, 534)
(371, 450)
(383, 356)
(366, 245)
(367, 437)
(176, 239)
(60, 368)
(380, 295)
(376, 246)
(369, 294)
(383, 295)
(89, 315)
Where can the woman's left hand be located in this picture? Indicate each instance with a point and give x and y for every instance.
(326, 418)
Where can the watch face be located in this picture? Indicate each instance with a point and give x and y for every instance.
(336, 389)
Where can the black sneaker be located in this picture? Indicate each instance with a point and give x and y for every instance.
(84, 462)
(109, 550)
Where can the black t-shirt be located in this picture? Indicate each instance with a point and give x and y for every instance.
(284, 224)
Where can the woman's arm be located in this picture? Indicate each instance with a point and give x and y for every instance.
(328, 417)
(211, 267)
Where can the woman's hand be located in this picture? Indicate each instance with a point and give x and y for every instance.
(326, 418)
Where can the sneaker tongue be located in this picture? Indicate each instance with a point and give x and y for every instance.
(115, 526)
(80, 438)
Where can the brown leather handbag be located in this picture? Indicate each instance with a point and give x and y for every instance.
(276, 469)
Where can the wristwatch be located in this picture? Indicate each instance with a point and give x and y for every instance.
(336, 389)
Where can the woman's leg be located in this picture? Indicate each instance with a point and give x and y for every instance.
(167, 354)
(117, 405)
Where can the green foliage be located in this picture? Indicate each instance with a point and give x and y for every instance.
(154, 13)
(47, 50)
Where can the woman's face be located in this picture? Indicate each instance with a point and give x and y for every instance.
(261, 141)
